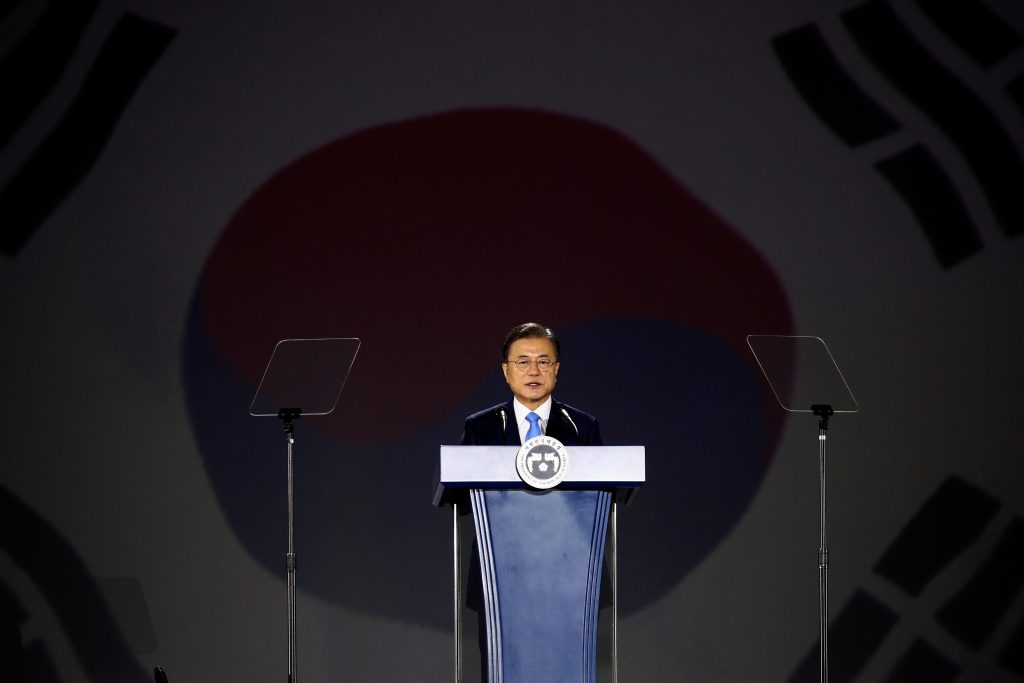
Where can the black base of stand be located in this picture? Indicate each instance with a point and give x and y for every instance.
(287, 415)
(824, 412)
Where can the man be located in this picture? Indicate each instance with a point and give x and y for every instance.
(530, 362)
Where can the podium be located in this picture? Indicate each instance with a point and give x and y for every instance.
(541, 556)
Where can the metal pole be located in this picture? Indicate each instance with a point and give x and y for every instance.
(615, 592)
(290, 562)
(823, 413)
(456, 583)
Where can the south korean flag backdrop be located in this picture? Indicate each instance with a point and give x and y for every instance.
(184, 184)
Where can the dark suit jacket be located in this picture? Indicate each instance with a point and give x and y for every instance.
(569, 425)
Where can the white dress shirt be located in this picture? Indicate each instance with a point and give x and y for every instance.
(544, 410)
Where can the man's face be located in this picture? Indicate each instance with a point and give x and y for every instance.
(532, 387)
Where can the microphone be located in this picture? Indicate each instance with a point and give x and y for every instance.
(566, 413)
(504, 422)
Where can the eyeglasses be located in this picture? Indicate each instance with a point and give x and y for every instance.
(523, 365)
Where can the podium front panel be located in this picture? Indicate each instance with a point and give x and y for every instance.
(540, 560)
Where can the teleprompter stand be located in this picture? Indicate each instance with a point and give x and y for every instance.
(805, 378)
(303, 377)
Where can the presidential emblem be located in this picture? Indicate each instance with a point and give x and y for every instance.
(542, 462)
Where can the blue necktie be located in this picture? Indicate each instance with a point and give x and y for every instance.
(534, 430)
